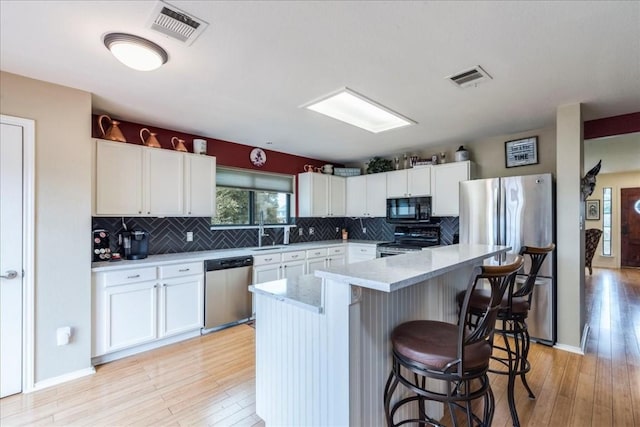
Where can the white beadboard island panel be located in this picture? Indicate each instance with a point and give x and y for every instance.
(329, 368)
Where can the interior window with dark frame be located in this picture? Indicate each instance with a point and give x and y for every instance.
(243, 196)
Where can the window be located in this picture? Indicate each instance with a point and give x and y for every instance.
(606, 221)
(243, 196)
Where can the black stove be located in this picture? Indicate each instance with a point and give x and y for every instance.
(410, 239)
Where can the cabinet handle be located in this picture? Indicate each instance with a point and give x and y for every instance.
(155, 286)
(148, 212)
(183, 270)
(268, 259)
(363, 250)
(294, 256)
(189, 213)
(133, 277)
(139, 212)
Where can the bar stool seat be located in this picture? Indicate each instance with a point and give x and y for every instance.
(434, 345)
(453, 357)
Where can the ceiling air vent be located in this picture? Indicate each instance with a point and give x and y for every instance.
(175, 23)
(470, 77)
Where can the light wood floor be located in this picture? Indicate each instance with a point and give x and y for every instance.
(210, 380)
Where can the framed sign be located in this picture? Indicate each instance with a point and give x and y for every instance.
(521, 152)
(592, 210)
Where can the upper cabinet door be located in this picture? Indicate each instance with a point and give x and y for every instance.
(165, 178)
(446, 182)
(313, 193)
(376, 195)
(118, 179)
(357, 195)
(397, 183)
(337, 195)
(200, 185)
(419, 181)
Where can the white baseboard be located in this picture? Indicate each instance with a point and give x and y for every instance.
(62, 379)
(583, 343)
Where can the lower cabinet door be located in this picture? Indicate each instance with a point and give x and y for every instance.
(266, 273)
(315, 264)
(293, 269)
(130, 315)
(336, 260)
(181, 305)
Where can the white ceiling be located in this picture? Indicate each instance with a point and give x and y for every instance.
(244, 79)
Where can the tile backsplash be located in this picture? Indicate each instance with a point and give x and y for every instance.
(168, 235)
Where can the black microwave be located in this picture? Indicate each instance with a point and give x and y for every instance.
(409, 210)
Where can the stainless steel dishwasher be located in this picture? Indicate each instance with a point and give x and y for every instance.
(227, 299)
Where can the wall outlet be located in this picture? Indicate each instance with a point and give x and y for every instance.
(300, 231)
(63, 335)
(189, 236)
(311, 231)
(337, 229)
(364, 230)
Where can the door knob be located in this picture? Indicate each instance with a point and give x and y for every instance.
(11, 274)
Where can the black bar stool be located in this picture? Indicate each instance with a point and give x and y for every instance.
(511, 324)
(452, 354)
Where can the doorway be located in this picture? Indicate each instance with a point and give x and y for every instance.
(630, 227)
(17, 144)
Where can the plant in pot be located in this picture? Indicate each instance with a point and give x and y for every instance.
(377, 165)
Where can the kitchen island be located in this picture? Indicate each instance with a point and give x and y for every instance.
(322, 343)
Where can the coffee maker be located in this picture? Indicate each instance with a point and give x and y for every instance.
(135, 244)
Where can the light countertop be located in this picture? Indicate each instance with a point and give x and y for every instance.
(153, 260)
(383, 274)
(389, 274)
(302, 291)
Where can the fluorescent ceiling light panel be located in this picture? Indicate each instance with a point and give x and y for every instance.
(355, 109)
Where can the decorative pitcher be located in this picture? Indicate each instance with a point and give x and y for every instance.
(179, 145)
(151, 141)
(113, 133)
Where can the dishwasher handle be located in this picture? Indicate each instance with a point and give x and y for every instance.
(225, 263)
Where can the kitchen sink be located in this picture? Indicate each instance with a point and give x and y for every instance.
(267, 248)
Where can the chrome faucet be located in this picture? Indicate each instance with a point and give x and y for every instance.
(261, 232)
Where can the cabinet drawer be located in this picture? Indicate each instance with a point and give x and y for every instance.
(337, 250)
(317, 253)
(293, 256)
(129, 276)
(363, 250)
(177, 270)
(267, 259)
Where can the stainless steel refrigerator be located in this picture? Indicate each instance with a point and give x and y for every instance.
(516, 211)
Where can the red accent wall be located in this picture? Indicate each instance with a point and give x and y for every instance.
(226, 153)
(617, 125)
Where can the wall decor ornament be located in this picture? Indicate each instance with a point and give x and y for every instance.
(258, 157)
(592, 210)
(588, 183)
(521, 152)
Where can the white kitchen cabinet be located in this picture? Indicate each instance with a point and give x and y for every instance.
(181, 305)
(200, 188)
(118, 178)
(132, 180)
(293, 264)
(129, 316)
(316, 259)
(366, 195)
(412, 182)
(137, 306)
(321, 195)
(293, 269)
(164, 178)
(445, 181)
(336, 256)
(361, 252)
(266, 267)
(337, 195)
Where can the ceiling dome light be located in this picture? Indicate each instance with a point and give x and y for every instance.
(135, 52)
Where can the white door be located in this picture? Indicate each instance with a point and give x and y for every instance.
(10, 260)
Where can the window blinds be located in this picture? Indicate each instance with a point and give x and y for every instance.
(250, 180)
